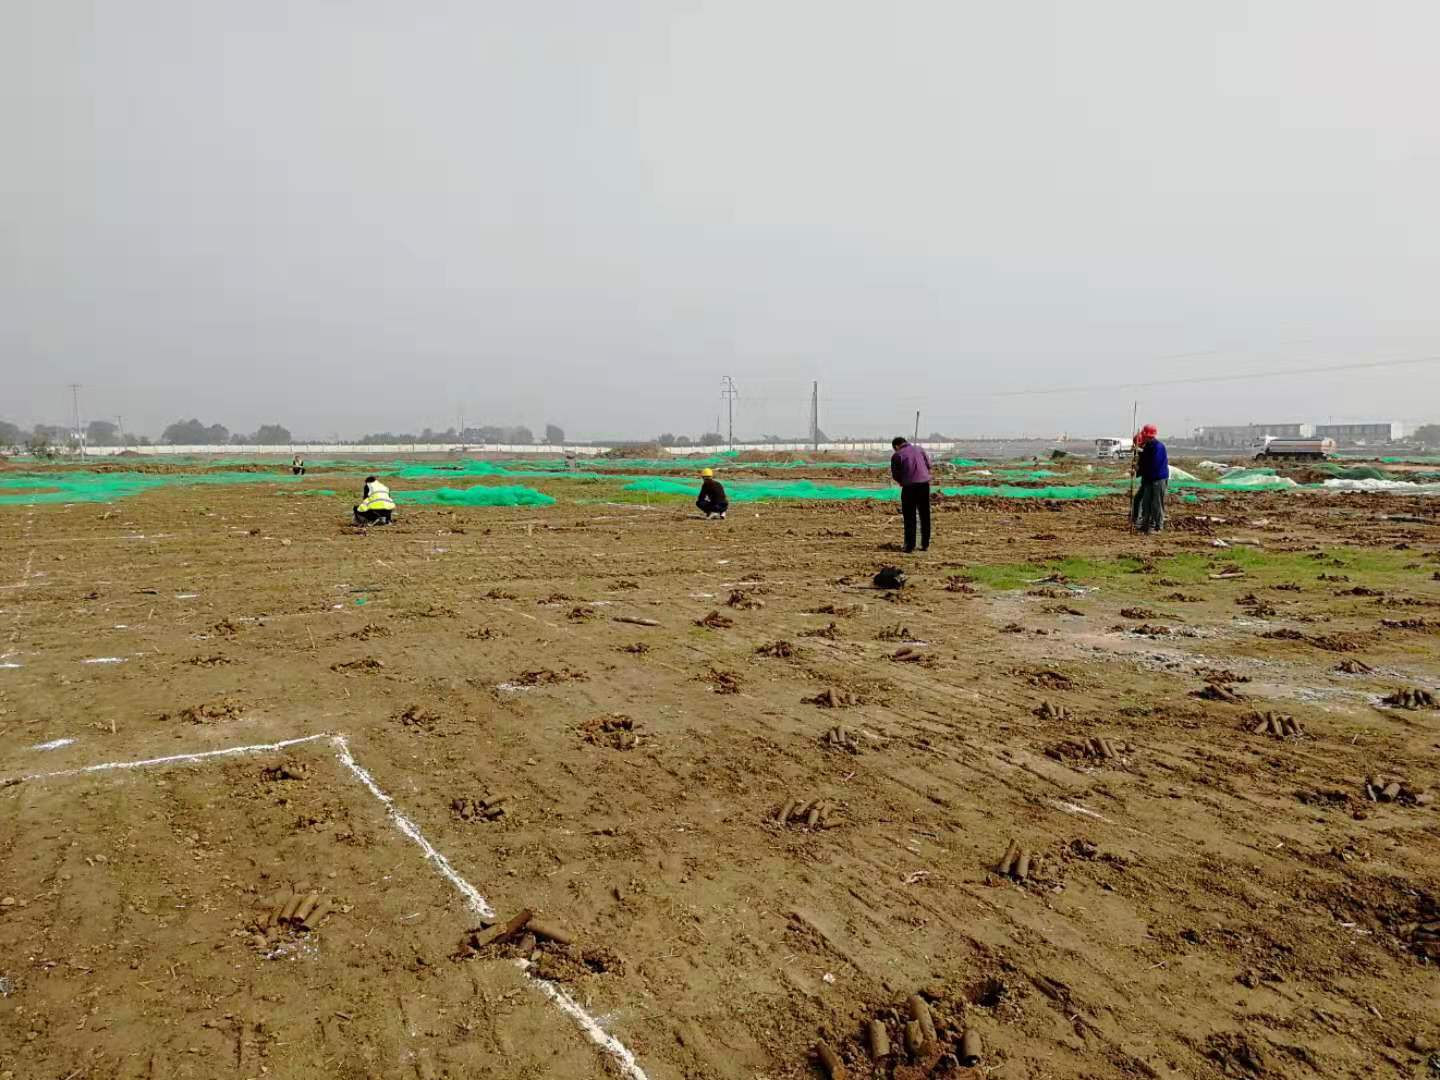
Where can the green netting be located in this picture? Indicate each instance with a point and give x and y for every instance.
(88, 487)
(965, 463)
(1025, 474)
(774, 490)
(1355, 472)
(480, 495)
(1247, 479)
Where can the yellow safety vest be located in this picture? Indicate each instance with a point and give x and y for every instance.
(378, 499)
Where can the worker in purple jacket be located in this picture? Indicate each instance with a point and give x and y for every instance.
(1152, 466)
(910, 466)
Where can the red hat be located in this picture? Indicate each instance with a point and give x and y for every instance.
(1149, 431)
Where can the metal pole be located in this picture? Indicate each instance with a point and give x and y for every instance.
(729, 393)
(917, 425)
(815, 415)
(75, 400)
(1134, 420)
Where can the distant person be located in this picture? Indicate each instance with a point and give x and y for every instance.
(375, 506)
(297, 466)
(910, 466)
(1152, 466)
(712, 501)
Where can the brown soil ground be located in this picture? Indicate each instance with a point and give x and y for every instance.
(1207, 901)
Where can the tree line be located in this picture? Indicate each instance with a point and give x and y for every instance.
(193, 432)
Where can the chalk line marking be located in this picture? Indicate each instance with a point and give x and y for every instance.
(473, 900)
(476, 903)
(53, 744)
(588, 1024)
(172, 759)
(25, 576)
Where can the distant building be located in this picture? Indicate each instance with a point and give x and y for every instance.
(1380, 431)
(1250, 434)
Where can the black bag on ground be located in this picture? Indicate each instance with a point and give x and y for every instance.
(890, 577)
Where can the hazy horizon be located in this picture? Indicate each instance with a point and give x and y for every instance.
(370, 218)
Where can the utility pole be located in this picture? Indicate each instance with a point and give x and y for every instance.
(729, 393)
(75, 401)
(815, 415)
(120, 429)
(917, 425)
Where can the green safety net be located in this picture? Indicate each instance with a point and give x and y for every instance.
(499, 495)
(1355, 472)
(774, 490)
(1025, 474)
(87, 487)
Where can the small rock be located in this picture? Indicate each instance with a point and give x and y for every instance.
(284, 543)
(9, 901)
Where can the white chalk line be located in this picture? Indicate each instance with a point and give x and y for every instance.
(473, 900)
(587, 1023)
(28, 572)
(172, 759)
(558, 997)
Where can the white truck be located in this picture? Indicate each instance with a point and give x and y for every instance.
(1110, 448)
(1277, 449)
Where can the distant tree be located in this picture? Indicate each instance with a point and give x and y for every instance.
(519, 435)
(101, 433)
(39, 444)
(935, 436)
(711, 438)
(193, 433)
(1427, 435)
(682, 440)
(55, 433)
(10, 434)
(666, 439)
(272, 435)
(554, 434)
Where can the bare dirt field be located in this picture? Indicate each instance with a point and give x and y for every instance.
(1208, 770)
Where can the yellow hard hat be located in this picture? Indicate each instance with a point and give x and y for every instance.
(707, 472)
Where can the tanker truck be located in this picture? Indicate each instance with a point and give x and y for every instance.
(1277, 449)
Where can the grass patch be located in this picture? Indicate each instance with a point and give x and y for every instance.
(1361, 565)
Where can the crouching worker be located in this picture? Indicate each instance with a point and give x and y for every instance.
(712, 502)
(376, 506)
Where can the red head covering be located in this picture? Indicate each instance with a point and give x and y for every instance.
(1145, 434)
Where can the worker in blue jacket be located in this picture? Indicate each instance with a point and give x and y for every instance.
(1152, 467)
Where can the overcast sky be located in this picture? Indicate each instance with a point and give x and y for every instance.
(369, 215)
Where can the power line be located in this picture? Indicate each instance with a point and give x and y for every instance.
(1178, 381)
(1192, 379)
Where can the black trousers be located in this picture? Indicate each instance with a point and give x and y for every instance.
(372, 517)
(915, 502)
(710, 506)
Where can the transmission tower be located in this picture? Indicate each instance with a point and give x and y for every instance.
(815, 415)
(75, 401)
(729, 393)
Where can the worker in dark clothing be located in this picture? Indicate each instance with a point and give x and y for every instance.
(712, 501)
(910, 466)
(1152, 467)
